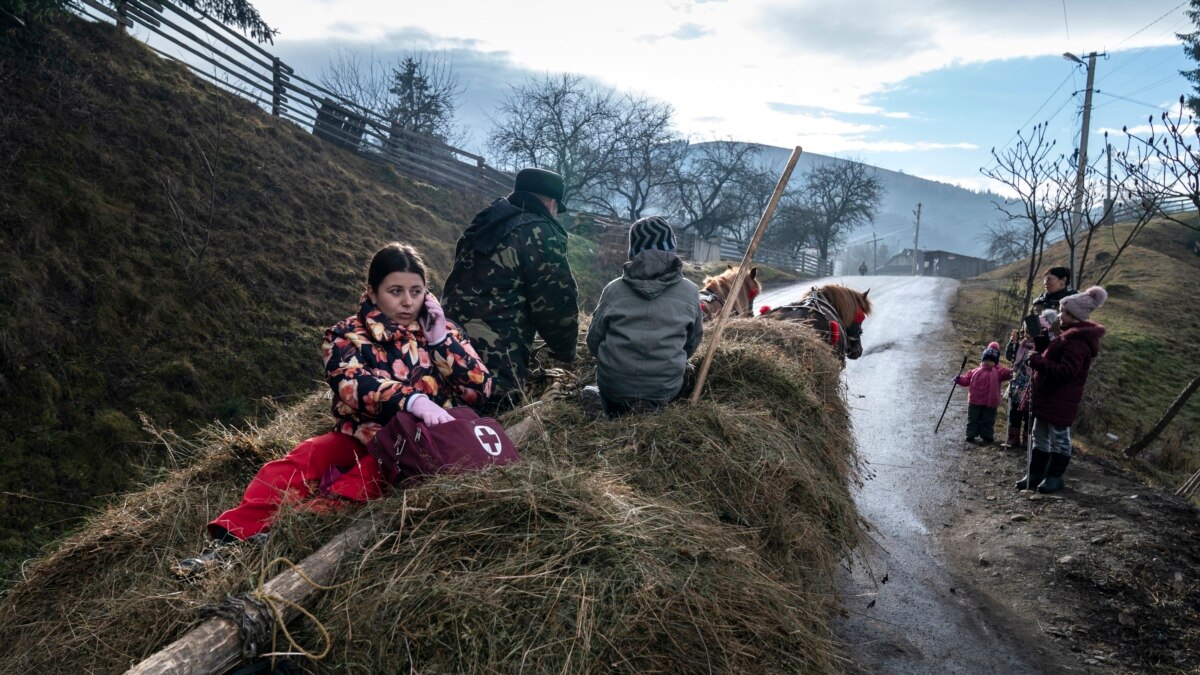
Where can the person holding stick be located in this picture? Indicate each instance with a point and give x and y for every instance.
(983, 399)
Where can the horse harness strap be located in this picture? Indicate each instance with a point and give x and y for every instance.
(707, 298)
(815, 302)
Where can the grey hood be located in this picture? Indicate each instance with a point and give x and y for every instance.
(652, 272)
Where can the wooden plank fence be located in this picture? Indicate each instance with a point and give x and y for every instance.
(245, 68)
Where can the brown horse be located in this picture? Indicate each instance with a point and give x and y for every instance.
(715, 292)
(835, 312)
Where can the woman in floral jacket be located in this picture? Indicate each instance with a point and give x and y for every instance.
(397, 353)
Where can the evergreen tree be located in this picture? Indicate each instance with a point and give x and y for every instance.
(425, 94)
(236, 13)
(1191, 47)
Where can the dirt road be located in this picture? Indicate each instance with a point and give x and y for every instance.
(907, 610)
(963, 574)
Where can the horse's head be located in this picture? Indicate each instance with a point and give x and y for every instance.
(715, 292)
(853, 308)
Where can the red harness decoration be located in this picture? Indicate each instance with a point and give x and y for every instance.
(859, 316)
(835, 333)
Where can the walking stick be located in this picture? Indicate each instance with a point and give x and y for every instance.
(947, 406)
(742, 270)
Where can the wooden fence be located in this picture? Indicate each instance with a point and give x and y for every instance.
(244, 67)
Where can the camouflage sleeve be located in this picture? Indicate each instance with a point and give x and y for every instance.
(357, 390)
(553, 298)
(596, 329)
(461, 369)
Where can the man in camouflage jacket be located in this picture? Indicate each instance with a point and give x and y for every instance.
(511, 279)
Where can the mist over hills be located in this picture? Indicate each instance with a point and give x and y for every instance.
(952, 218)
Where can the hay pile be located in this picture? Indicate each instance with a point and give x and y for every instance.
(700, 539)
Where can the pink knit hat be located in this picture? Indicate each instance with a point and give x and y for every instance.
(1081, 305)
(992, 353)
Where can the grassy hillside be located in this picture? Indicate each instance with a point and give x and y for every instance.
(1147, 356)
(167, 249)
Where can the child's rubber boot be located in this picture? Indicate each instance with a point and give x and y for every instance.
(1036, 471)
(1014, 438)
(1054, 473)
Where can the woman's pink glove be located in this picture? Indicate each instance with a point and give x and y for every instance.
(430, 413)
(434, 322)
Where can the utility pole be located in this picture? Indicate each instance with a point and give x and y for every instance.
(916, 238)
(1077, 209)
(874, 252)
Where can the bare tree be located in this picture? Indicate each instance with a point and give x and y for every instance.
(1028, 169)
(1008, 241)
(418, 95)
(709, 194)
(644, 167)
(563, 124)
(838, 197)
(1164, 166)
(791, 227)
(362, 81)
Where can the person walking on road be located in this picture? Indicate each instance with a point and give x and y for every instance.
(511, 280)
(1060, 373)
(983, 399)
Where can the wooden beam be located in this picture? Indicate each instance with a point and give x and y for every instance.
(216, 645)
(727, 307)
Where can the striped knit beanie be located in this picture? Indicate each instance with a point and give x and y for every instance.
(650, 233)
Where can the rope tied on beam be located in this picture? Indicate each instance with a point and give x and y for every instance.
(252, 617)
(257, 613)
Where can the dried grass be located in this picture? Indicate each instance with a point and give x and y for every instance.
(700, 539)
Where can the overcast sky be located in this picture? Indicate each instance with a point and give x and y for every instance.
(925, 86)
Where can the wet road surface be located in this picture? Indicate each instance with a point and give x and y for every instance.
(906, 611)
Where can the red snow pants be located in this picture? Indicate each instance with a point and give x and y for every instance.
(333, 465)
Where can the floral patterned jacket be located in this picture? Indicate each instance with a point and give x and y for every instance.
(374, 366)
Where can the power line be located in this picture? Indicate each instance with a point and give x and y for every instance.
(1124, 98)
(1138, 31)
(1139, 53)
(1039, 109)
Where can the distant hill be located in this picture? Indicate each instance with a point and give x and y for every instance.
(952, 218)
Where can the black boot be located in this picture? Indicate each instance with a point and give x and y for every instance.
(1036, 471)
(1054, 473)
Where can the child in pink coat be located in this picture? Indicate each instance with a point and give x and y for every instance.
(983, 383)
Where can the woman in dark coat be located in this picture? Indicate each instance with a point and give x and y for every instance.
(1060, 372)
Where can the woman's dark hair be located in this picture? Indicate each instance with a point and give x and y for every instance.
(394, 257)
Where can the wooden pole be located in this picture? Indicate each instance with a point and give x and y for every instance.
(215, 646)
(1144, 441)
(743, 269)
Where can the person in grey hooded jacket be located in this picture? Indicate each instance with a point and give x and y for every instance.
(646, 325)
